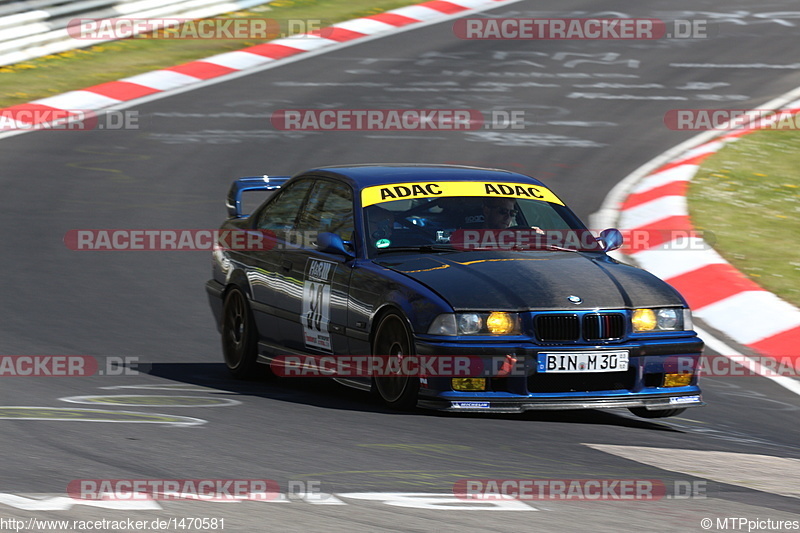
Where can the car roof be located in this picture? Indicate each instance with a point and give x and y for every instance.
(362, 176)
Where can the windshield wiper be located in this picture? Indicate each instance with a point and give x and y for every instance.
(560, 248)
(424, 248)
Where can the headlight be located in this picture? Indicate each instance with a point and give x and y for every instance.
(663, 319)
(444, 325)
(469, 323)
(668, 319)
(500, 323)
(494, 323)
(643, 320)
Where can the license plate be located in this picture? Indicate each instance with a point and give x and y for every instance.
(568, 362)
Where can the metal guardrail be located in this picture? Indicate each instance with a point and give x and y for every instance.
(35, 28)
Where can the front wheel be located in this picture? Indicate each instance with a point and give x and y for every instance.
(393, 340)
(657, 413)
(239, 336)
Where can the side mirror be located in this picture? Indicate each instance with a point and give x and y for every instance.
(331, 243)
(611, 239)
(253, 183)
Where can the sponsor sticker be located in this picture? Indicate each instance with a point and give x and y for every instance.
(470, 405)
(316, 313)
(684, 399)
(401, 191)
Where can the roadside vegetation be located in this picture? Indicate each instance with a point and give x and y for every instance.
(748, 196)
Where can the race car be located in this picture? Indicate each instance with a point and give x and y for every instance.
(445, 287)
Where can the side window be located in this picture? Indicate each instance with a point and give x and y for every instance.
(542, 215)
(281, 214)
(330, 208)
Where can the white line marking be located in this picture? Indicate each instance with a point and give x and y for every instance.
(767, 473)
(147, 418)
(64, 503)
(98, 400)
(726, 350)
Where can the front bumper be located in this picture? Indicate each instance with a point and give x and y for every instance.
(642, 385)
(518, 405)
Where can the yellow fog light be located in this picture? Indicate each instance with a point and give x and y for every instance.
(644, 320)
(469, 384)
(499, 323)
(678, 380)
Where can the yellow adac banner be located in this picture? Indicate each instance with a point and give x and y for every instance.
(436, 189)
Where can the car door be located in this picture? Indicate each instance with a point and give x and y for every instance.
(266, 271)
(319, 305)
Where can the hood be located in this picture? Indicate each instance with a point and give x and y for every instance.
(514, 281)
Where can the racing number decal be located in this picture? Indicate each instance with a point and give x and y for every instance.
(316, 313)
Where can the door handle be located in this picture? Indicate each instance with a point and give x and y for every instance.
(287, 265)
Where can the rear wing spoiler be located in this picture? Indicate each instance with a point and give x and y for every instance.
(257, 183)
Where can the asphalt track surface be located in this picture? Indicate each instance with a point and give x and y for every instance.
(588, 124)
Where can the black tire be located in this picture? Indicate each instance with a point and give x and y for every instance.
(392, 338)
(239, 336)
(658, 413)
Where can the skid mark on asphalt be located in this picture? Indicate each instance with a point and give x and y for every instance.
(766, 473)
(182, 387)
(110, 157)
(724, 432)
(228, 136)
(544, 466)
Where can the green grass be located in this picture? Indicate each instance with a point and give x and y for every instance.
(748, 196)
(80, 68)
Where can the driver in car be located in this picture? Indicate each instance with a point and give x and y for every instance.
(499, 213)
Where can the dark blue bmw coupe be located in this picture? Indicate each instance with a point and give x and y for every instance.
(455, 288)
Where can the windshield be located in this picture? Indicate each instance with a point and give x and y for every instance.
(474, 223)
